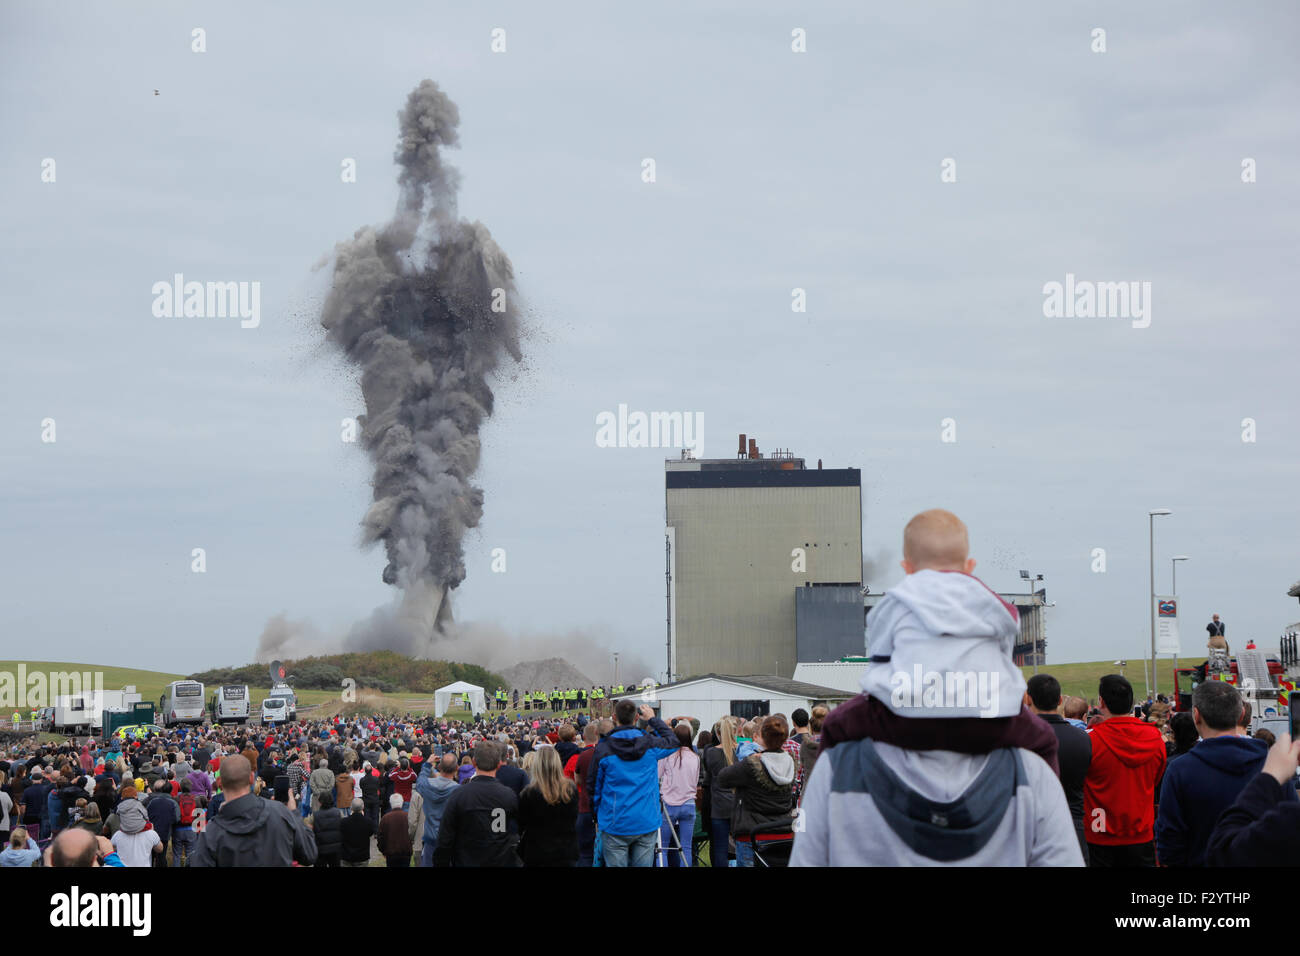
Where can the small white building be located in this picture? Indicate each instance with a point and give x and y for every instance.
(842, 675)
(711, 697)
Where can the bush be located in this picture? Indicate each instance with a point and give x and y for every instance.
(385, 671)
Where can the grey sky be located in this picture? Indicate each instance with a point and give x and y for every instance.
(776, 170)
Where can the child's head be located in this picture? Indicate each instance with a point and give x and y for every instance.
(936, 540)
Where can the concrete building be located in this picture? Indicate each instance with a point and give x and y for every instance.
(844, 675)
(711, 697)
(743, 536)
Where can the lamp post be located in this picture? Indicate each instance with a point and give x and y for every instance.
(1033, 602)
(1151, 598)
(1173, 563)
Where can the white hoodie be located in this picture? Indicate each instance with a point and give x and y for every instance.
(941, 645)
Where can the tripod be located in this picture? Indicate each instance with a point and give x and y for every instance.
(660, 857)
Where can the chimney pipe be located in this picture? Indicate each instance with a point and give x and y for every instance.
(819, 464)
(753, 448)
(741, 452)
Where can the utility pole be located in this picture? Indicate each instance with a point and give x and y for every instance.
(1151, 597)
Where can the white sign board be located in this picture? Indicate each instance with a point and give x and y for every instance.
(1167, 625)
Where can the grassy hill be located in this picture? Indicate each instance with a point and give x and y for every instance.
(397, 694)
(385, 671)
(150, 684)
(1080, 680)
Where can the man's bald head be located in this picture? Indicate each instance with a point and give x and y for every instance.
(236, 775)
(75, 846)
(936, 540)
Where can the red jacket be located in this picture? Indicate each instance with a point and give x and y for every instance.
(1128, 760)
(581, 762)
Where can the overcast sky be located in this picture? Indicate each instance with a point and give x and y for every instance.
(775, 170)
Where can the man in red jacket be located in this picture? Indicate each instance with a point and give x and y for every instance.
(1128, 760)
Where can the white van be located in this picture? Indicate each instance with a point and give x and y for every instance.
(230, 703)
(285, 692)
(181, 703)
(274, 709)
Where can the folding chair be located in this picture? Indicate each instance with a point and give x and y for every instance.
(699, 840)
(772, 843)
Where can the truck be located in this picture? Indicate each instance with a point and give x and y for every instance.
(1262, 679)
(84, 713)
(285, 692)
(134, 714)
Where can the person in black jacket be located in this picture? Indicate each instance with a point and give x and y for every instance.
(355, 834)
(1262, 828)
(35, 802)
(1043, 697)
(372, 796)
(716, 758)
(548, 814)
(567, 746)
(513, 777)
(480, 822)
(202, 754)
(763, 785)
(252, 831)
(327, 825)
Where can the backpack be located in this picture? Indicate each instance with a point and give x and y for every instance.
(187, 804)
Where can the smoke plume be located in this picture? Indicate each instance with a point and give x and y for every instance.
(424, 306)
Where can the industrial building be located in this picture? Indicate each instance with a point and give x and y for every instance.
(844, 675)
(764, 563)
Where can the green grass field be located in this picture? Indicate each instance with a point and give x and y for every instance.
(150, 684)
(1079, 680)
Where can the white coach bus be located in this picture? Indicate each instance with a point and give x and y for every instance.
(230, 704)
(181, 703)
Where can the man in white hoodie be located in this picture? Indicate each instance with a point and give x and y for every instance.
(937, 762)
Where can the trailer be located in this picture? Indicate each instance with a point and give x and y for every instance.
(84, 713)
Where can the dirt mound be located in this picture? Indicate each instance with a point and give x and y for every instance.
(545, 674)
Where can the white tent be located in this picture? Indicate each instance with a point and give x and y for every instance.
(443, 695)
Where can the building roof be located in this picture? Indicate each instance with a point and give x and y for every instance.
(773, 685)
(743, 477)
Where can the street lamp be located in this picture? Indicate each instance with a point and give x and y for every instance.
(1033, 602)
(1151, 598)
(1173, 563)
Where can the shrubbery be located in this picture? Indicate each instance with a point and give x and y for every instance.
(385, 671)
